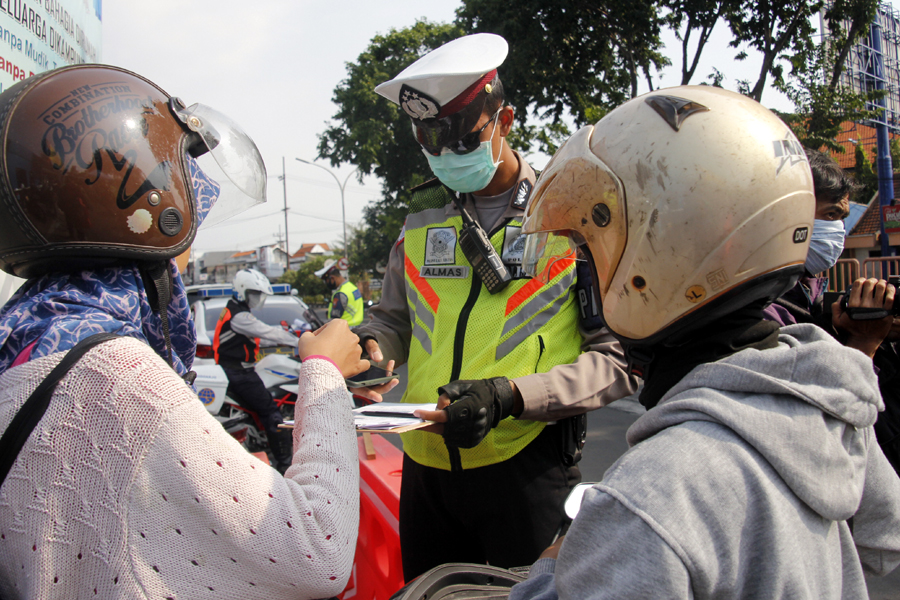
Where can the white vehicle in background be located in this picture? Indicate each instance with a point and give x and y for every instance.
(283, 309)
(277, 367)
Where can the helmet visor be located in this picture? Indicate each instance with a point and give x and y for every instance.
(233, 162)
(578, 196)
(547, 254)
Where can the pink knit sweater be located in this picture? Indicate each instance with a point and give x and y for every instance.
(128, 488)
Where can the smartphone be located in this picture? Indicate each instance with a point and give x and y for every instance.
(374, 376)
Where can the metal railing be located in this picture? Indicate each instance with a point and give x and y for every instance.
(842, 274)
(881, 268)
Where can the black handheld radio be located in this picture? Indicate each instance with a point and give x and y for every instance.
(480, 253)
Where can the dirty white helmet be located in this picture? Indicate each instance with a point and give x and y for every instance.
(252, 287)
(691, 202)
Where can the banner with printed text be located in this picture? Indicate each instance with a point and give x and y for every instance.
(39, 35)
(891, 216)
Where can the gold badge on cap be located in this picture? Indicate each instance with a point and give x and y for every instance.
(418, 105)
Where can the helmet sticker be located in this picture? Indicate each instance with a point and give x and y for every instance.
(695, 294)
(788, 151)
(800, 235)
(140, 221)
(93, 135)
(417, 104)
(717, 279)
(674, 110)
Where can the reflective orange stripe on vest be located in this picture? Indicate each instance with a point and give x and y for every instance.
(223, 318)
(532, 287)
(422, 285)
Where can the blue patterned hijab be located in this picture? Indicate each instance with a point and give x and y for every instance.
(54, 312)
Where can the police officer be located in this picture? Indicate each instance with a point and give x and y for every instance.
(236, 344)
(346, 301)
(514, 356)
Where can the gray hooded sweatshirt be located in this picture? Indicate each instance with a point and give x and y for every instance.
(740, 484)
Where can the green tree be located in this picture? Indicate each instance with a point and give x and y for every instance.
(865, 174)
(848, 22)
(311, 288)
(689, 17)
(371, 132)
(374, 134)
(822, 104)
(777, 30)
(820, 109)
(895, 153)
(570, 57)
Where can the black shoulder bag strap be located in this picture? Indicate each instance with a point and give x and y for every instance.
(33, 410)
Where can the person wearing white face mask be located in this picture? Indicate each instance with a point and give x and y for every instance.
(510, 360)
(804, 303)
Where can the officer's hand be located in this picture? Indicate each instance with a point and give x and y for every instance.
(476, 406)
(335, 341)
(374, 352)
(374, 393)
(865, 336)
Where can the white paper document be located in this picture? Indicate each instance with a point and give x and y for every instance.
(388, 415)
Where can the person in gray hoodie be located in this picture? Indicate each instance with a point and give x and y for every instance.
(755, 472)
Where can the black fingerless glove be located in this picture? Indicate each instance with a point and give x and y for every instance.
(476, 407)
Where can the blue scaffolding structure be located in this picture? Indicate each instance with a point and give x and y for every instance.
(874, 64)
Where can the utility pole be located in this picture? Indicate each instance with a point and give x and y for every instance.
(287, 252)
(342, 187)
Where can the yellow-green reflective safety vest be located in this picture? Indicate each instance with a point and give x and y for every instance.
(353, 312)
(461, 331)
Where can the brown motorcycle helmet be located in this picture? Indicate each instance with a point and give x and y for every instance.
(94, 172)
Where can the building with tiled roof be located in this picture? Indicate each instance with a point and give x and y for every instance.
(220, 267)
(865, 233)
(308, 251)
(852, 135)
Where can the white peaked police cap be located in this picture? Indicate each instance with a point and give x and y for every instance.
(446, 73)
(329, 264)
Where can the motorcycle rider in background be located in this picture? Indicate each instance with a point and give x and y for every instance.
(236, 346)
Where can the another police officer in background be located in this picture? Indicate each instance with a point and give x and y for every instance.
(236, 345)
(458, 308)
(346, 301)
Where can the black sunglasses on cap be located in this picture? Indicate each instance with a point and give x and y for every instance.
(467, 143)
(453, 132)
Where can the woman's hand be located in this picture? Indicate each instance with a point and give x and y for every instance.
(335, 341)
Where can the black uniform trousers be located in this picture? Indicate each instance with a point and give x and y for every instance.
(251, 393)
(504, 514)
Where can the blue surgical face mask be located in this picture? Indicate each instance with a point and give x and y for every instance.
(825, 245)
(466, 173)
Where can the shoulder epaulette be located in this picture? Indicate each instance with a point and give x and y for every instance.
(431, 182)
(431, 194)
